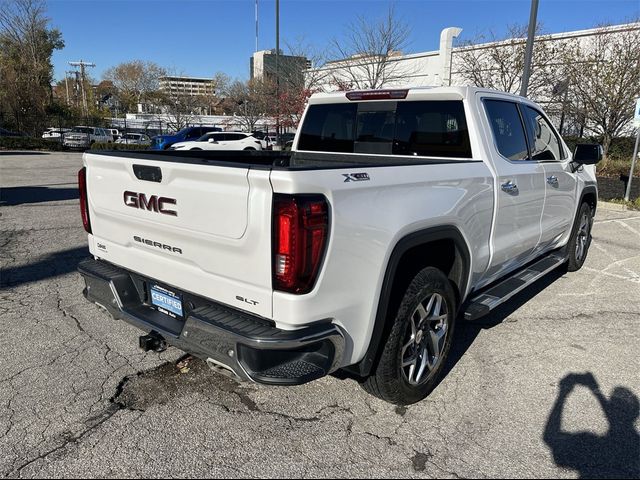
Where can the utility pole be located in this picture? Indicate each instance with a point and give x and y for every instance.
(533, 20)
(256, 25)
(636, 123)
(82, 64)
(278, 74)
(66, 84)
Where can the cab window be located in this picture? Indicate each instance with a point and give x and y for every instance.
(507, 128)
(543, 141)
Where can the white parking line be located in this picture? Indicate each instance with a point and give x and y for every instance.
(621, 277)
(617, 220)
(628, 227)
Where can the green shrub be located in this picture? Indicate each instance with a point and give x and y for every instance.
(618, 160)
(29, 143)
(611, 167)
(117, 146)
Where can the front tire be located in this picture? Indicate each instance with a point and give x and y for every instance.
(419, 342)
(580, 238)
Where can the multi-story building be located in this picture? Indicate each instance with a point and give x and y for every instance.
(262, 66)
(191, 86)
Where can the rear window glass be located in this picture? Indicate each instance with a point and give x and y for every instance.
(329, 128)
(435, 129)
(427, 128)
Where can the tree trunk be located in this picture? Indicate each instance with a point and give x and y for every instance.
(606, 143)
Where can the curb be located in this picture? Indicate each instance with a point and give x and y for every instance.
(612, 206)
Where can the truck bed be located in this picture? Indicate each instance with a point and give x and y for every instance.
(279, 160)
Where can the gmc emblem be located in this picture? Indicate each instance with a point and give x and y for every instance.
(154, 203)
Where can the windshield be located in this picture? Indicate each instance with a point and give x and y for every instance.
(205, 137)
(82, 130)
(132, 136)
(184, 131)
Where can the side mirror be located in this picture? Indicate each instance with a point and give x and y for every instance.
(587, 154)
(212, 140)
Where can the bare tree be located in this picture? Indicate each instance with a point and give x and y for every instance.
(310, 77)
(136, 82)
(604, 81)
(299, 82)
(251, 101)
(495, 63)
(369, 53)
(26, 45)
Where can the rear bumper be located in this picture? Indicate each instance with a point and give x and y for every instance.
(250, 347)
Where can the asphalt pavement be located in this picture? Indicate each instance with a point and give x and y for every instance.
(546, 386)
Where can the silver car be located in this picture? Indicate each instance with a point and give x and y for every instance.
(134, 139)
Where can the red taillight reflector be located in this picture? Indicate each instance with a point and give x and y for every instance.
(378, 95)
(84, 202)
(300, 230)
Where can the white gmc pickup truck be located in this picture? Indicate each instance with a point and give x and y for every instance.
(397, 212)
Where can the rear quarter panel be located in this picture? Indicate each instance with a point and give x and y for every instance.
(368, 219)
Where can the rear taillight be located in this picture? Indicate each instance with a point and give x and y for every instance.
(84, 202)
(300, 232)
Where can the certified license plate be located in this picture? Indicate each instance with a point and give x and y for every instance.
(166, 301)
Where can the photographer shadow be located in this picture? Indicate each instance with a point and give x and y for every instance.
(613, 455)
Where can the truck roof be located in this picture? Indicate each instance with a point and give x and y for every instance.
(413, 93)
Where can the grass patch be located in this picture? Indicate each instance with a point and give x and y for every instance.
(631, 204)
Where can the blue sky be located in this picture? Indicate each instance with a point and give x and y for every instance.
(202, 37)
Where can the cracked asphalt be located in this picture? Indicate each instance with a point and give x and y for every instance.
(546, 386)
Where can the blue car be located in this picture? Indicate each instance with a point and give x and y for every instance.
(163, 142)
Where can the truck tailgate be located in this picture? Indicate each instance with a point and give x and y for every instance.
(200, 228)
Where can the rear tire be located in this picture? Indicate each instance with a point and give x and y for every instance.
(419, 342)
(580, 238)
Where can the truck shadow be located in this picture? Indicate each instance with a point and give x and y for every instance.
(11, 196)
(467, 332)
(52, 265)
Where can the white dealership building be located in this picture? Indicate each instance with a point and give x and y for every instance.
(442, 66)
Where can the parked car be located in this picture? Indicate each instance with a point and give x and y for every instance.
(55, 134)
(82, 137)
(8, 133)
(163, 142)
(134, 139)
(115, 133)
(221, 141)
(397, 213)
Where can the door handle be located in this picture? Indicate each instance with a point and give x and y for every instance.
(509, 187)
(552, 180)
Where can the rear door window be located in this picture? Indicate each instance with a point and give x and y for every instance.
(235, 136)
(507, 128)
